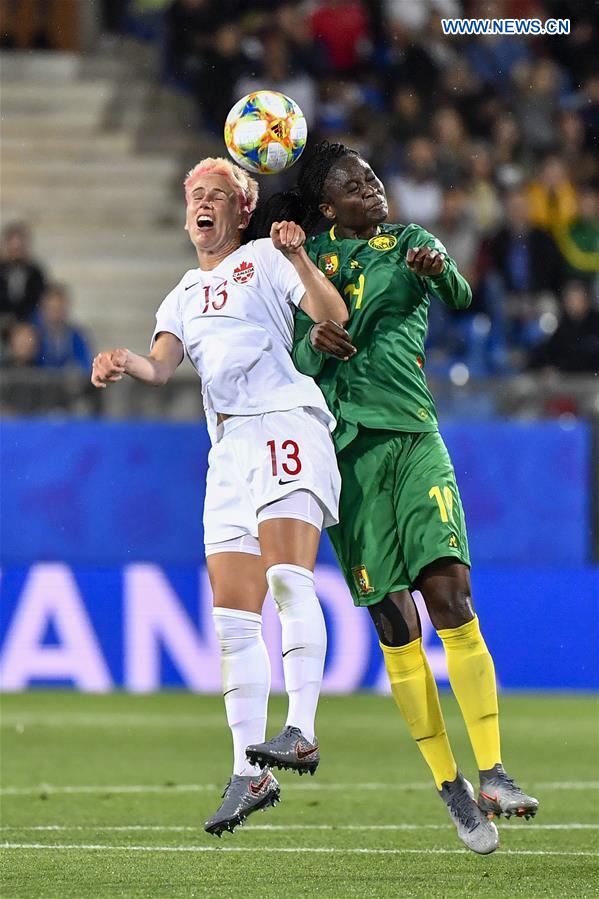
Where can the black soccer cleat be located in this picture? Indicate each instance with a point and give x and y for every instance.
(244, 794)
(500, 795)
(289, 749)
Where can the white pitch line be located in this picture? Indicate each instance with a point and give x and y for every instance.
(303, 786)
(283, 828)
(110, 720)
(318, 850)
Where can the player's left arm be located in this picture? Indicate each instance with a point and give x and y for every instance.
(427, 258)
(321, 300)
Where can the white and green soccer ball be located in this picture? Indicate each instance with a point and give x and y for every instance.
(265, 132)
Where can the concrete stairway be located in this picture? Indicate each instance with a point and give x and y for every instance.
(106, 219)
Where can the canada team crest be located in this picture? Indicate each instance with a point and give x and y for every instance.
(243, 273)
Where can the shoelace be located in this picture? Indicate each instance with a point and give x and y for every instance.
(503, 778)
(461, 805)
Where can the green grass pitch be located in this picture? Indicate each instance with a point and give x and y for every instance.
(105, 796)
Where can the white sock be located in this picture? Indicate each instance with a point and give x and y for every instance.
(304, 641)
(245, 670)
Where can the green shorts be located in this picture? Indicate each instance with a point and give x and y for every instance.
(400, 510)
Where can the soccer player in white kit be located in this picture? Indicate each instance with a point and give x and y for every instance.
(272, 482)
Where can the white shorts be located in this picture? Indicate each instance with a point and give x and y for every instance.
(259, 459)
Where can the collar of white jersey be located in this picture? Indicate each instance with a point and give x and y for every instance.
(333, 236)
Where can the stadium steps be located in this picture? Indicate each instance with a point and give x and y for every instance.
(106, 214)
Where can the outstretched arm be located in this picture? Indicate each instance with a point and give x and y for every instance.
(155, 369)
(321, 300)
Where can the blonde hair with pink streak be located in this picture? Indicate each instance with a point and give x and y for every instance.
(245, 187)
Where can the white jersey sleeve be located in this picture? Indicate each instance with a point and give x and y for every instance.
(279, 271)
(169, 317)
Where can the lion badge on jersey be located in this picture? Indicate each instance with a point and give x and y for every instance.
(329, 264)
(243, 273)
(362, 580)
(383, 242)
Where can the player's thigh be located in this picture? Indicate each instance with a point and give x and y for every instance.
(289, 530)
(238, 580)
(228, 508)
(366, 539)
(288, 541)
(430, 516)
(281, 453)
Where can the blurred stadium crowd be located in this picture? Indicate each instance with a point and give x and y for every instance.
(489, 142)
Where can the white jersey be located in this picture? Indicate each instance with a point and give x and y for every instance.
(236, 324)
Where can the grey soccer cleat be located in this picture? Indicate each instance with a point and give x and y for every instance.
(500, 795)
(474, 828)
(243, 795)
(289, 749)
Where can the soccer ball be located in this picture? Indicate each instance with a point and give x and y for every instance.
(265, 132)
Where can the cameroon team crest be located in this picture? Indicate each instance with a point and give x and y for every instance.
(329, 264)
(383, 242)
(362, 580)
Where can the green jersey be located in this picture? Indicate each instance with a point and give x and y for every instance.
(383, 386)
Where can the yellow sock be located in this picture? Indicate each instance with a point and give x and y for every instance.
(472, 678)
(415, 693)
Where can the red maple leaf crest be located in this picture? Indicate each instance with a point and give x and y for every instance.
(243, 273)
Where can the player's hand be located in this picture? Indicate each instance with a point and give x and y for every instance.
(425, 261)
(109, 366)
(287, 237)
(332, 339)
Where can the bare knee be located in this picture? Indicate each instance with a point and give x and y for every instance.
(445, 587)
(238, 581)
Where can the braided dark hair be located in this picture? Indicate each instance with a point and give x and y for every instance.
(313, 176)
(301, 204)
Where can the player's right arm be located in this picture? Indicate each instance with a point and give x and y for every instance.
(156, 369)
(313, 343)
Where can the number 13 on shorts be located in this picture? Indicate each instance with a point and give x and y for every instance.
(285, 457)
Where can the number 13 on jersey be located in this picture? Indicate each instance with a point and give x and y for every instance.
(290, 463)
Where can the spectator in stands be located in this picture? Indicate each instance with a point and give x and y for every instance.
(486, 206)
(198, 37)
(279, 68)
(573, 348)
(415, 16)
(22, 279)
(507, 151)
(417, 192)
(539, 85)
(22, 346)
(579, 242)
(523, 256)
(342, 28)
(493, 57)
(453, 146)
(552, 196)
(464, 90)
(61, 344)
(571, 140)
(524, 271)
(407, 115)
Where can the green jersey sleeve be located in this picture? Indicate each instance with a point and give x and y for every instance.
(450, 287)
(306, 358)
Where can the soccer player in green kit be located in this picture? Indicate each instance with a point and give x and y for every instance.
(401, 523)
